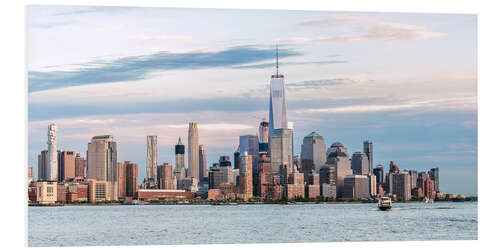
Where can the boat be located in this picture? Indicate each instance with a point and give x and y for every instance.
(384, 203)
(427, 200)
(293, 203)
(226, 204)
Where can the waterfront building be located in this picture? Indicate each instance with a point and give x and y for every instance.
(152, 158)
(122, 179)
(79, 166)
(180, 168)
(327, 174)
(193, 151)
(277, 102)
(203, 161)
(368, 150)
(66, 165)
(131, 178)
(31, 175)
(328, 190)
(372, 184)
(379, 173)
(165, 177)
(401, 186)
(102, 158)
(338, 157)
(313, 189)
(163, 194)
(43, 160)
(281, 149)
(215, 177)
(46, 192)
(52, 152)
(434, 175)
(313, 153)
(425, 188)
(264, 132)
(360, 164)
(356, 187)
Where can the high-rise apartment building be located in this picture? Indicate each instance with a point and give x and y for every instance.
(246, 186)
(165, 177)
(203, 161)
(152, 158)
(66, 165)
(281, 149)
(131, 178)
(102, 158)
(356, 187)
(368, 150)
(360, 164)
(277, 101)
(52, 152)
(401, 185)
(193, 151)
(122, 179)
(313, 153)
(31, 175)
(43, 160)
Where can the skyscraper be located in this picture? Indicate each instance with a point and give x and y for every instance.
(250, 144)
(131, 170)
(43, 159)
(401, 185)
(79, 166)
(193, 151)
(180, 167)
(434, 174)
(52, 152)
(277, 101)
(237, 158)
(203, 161)
(313, 153)
(152, 158)
(66, 165)
(379, 173)
(102, 156)
(368, 150)
(360, 163)
(165, 178)
(246, 186)
(281, 149)
(264, 132)
(338, 156)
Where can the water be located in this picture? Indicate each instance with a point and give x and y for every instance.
(201, 224)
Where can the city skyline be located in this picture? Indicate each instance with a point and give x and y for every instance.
(419, 129)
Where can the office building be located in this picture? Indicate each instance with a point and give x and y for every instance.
(152, 158)
(264, 132)
(98, 190)
(413, 178)
(193, 151)
(43, 160)
(250, 144)
(368, 150)
(277, 102)
(401, 186)
(237, 158)
(379, 173)
(122, 179)
(356, 187)
(372, 184)
(52, 152)
(338, 157)
(246, 183)
(313, 153)
(203, 161)
(79, 166)
(360, 164)
(66, 165)
(102, 156)
(31, 175)
(131, 178)
(434, 175)
(180, 168)
(281, 149)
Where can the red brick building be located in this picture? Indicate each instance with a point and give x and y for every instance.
(160, 194)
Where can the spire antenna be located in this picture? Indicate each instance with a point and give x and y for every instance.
(277, 74)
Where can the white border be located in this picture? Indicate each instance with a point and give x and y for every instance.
(14, 117)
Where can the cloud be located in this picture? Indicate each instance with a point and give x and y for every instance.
(318, 83)
(138, 67)
(269, 65)
(367, 28)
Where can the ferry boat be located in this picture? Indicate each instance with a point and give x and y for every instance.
(427, 200)
(293, 203)
(384, 203)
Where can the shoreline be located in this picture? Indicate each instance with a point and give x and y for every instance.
(214, 203)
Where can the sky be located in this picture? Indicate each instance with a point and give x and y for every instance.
(407, 82)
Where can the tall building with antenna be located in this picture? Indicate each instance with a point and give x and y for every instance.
(277, 101)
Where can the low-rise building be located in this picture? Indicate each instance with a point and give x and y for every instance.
(46, 192)
(163, 194)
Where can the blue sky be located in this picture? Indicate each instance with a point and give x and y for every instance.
(408, 82)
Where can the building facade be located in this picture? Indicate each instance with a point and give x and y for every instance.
(102, 162)
(193, 151)
(152, 157)
(52, 152)
(313, 153)
(281, 149)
